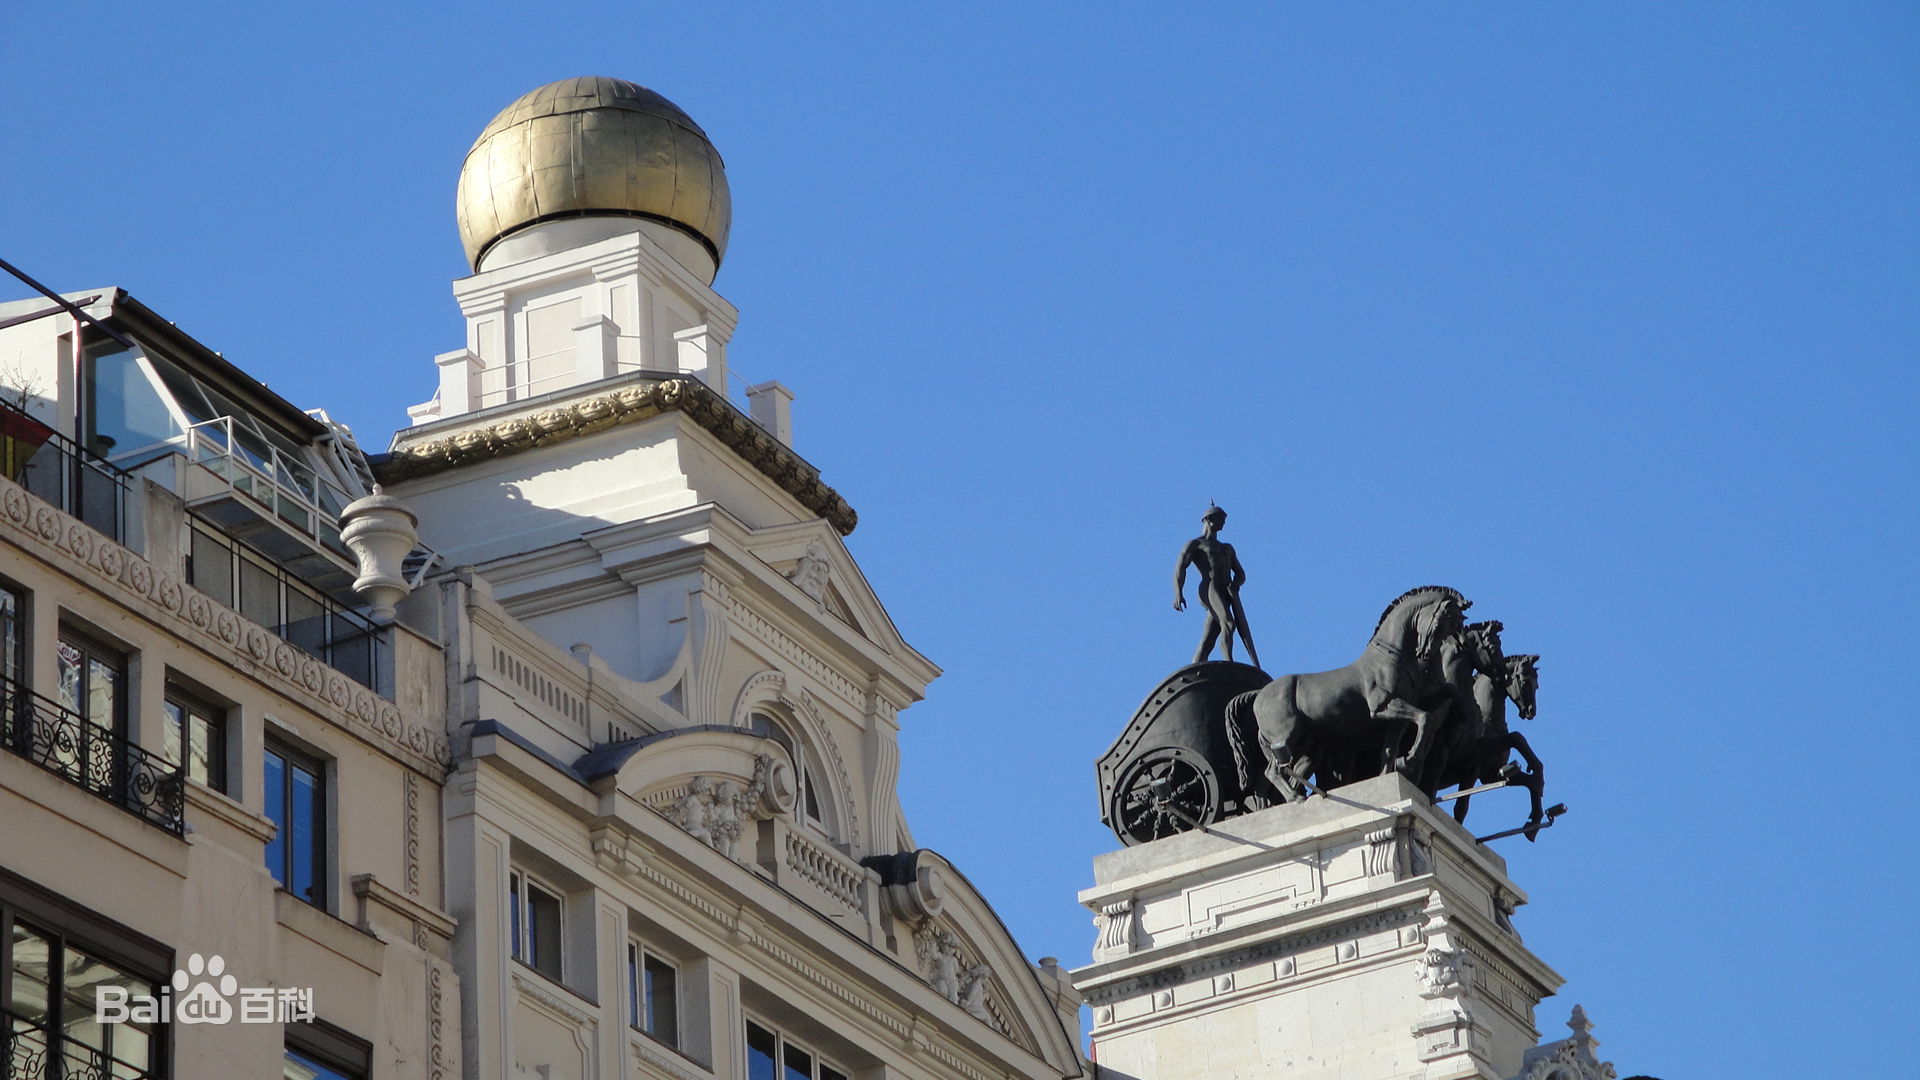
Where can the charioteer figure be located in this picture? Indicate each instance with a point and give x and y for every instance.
(1221, 576)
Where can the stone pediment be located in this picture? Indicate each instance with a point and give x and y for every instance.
(816, 562)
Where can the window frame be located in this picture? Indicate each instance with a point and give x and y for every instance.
(818, 1068)
(94, 649)
(293, 757)
(179, 731)
(523, 944)
(99, 938)
(330, 1047)
(641, 1012)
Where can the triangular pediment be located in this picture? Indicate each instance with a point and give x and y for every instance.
(822, 574)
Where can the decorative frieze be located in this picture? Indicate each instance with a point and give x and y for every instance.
(161, 597)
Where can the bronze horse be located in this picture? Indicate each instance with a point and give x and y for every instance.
(1485, 759)
(1383, 711)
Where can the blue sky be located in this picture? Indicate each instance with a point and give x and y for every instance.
(1602, 313)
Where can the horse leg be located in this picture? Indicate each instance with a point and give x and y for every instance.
(1460, 808)
(1535, 779)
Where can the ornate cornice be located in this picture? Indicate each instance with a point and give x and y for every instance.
(627, 405)
(162, 598)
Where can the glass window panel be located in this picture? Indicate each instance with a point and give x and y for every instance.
(103, 692)
(30, 974)
(176, 729)
(307, 865)
(13, 660)
(663, 1013)
(125, 410)
(813, 799)
(636, 989)
(828, 1072)
(276, 808)
(210, 566)
(259, 593)
(798, 1063)
(207, 750)
(762, 1050)
(306, 624)
(543, 923)
(72, 665)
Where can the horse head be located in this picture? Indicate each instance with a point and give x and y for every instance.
(1523, 682)
(1482, 642)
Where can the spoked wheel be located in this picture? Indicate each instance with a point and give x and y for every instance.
(1167, 791)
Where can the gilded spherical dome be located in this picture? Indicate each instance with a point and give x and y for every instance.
(592, 147)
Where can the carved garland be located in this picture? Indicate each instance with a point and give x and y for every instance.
(625, 406)
(136, 583)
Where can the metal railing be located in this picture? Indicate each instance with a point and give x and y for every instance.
(34, 1052)
(96, 759)
(60, 471)
(288, 490)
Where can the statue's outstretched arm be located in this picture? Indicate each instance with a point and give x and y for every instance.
(1180, 578)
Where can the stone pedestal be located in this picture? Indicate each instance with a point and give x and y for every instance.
(1354, 936)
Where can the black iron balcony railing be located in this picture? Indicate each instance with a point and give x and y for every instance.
(91, 757)
(33, 1052)
(58, 470)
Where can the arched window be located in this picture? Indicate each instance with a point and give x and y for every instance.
(814, 800)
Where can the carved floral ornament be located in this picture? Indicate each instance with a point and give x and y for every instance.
(162, 597)
(625, 406)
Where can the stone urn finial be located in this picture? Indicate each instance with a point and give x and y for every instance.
(381, 532)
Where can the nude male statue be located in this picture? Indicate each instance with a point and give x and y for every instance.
(1221, 576)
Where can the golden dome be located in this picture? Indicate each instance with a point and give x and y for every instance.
(592, 147)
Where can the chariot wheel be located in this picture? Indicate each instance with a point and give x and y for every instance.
(1167, 791)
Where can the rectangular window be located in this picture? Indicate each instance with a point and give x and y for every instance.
(536, 924)
(296, 803)
(50, 986)
(772, 1056)
(13, 635)
(93, 681)
(197, 738)
(653, 1004)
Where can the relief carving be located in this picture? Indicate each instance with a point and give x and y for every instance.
(716, 814)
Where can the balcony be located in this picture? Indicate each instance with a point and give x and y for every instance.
(90, 757)
(55, 468)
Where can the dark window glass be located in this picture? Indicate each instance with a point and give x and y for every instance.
(306, 624)
(197, 738)
(828, 1072)
(663, 1010)
(543, 930)
(210, 566)
(536, 924)
(296, 802)
(259, 593)
(763, 1049)
(798, 1063)
(652, 1001)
